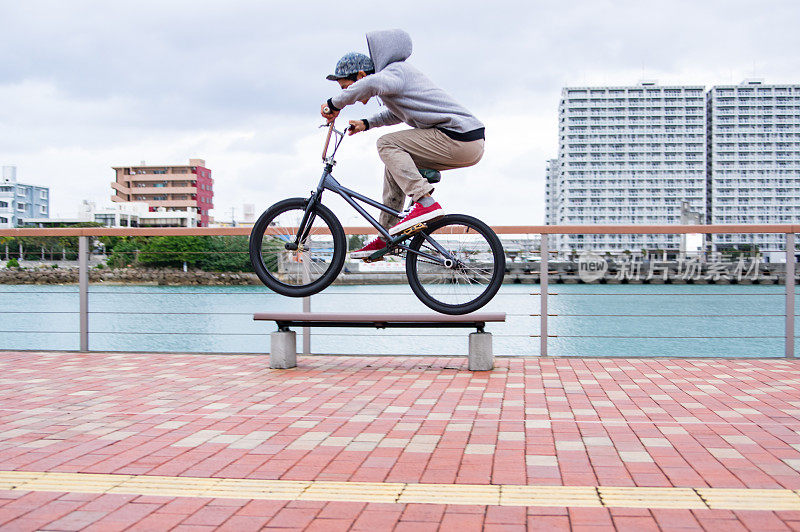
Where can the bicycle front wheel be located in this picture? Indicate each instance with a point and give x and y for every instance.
(305, 268)
(467, 275)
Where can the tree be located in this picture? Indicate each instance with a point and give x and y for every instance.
(173, 251)
(123, 251)
(356, 242)
(209, 253)
(225, 254)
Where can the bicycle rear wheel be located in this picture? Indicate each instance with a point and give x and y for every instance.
(315, 262)
(472, 279)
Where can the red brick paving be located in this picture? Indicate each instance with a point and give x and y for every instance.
(610, 422)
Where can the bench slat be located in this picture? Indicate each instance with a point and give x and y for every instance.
(284, 320)
(312, 318)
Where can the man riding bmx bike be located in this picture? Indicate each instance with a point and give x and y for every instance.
(444, 134)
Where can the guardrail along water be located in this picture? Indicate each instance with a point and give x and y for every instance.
(586, 304)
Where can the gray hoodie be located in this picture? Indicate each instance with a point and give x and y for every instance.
(409, 96)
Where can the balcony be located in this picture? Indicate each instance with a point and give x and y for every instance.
(162, 190)
(158, 177)
(171, 203)
(120, 188)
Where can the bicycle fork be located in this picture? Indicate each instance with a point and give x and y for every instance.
(304, 229)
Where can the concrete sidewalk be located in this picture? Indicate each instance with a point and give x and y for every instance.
(105, 441)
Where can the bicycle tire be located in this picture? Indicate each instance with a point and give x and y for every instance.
(273, 279)
(493, 282)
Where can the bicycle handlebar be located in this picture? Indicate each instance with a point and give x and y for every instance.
(331, 131)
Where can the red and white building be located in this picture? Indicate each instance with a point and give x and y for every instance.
(177, 195)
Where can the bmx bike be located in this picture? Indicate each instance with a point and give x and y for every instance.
(454, 264)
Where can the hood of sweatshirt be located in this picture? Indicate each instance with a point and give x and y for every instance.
(388, 46)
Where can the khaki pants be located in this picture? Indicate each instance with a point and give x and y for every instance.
(405, 151)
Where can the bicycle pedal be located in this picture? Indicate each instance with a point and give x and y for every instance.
(411, 230)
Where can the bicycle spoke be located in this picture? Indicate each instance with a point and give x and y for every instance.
(474, 269)
(312, 259)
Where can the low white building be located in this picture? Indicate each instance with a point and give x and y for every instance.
(128, 214)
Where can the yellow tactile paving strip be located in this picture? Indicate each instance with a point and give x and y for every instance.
(473, 494)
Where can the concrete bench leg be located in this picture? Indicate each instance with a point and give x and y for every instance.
(283, 350)
(481, 357)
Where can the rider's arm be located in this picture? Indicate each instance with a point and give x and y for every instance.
(384, 118)
(384, 82)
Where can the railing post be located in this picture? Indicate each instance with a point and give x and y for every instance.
(544, 253)
(83, 290)
(789, 282)
(306, 304)
(307, 330)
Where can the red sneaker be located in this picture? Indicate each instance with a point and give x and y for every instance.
(417, 215)
(376, 244)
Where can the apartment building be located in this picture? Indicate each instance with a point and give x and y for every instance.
(753, 132)
(19, 201)
(551, 184)
(627, 155)
(177, 195)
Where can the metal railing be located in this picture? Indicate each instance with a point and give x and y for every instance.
(788, 230)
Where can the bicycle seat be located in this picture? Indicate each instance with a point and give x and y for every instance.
(433, 176)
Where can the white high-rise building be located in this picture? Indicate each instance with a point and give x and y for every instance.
(551, 192)
(627, 155)
(754, 161)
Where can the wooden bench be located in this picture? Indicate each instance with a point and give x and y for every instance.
(283, 342)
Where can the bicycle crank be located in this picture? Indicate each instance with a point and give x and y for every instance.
(416, 229)
(391, 249)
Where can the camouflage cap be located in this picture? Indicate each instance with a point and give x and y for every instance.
(350, 64)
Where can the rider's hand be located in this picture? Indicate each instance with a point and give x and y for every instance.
(330, 116)
(356, 126)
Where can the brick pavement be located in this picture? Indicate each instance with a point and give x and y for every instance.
(592, 423)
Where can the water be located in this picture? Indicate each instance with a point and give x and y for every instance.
(219, 319)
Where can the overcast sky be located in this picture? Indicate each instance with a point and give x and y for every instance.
(87, 85)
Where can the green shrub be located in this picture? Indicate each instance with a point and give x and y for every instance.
(13, 263)
(355, 242)
(209, 253)
(123, 252)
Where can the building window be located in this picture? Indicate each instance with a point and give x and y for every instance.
(42, 209)
(3, 205)
(43, 194)
(3, 220)
(21, 207)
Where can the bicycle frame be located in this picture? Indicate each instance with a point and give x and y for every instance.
(328, 182)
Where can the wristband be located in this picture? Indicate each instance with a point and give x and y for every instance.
(332, 107)
(366, 123)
